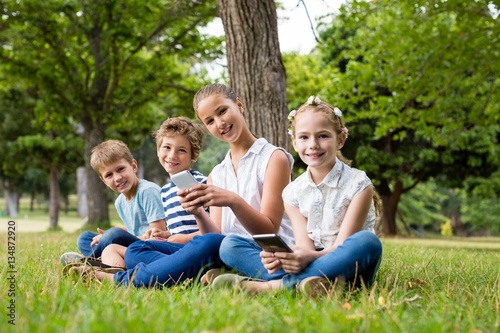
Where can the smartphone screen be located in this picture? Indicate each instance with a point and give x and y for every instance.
(272, 243)
(183, 180)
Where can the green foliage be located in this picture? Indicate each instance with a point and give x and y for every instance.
(104, 69)
(423, 205)
(480, 212)
(418, 84)
(446, 229)
(213, 152)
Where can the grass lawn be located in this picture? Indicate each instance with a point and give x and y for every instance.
(424, 285)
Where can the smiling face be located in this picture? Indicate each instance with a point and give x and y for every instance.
(174, 153)
(316, 141)
(222, 117)
(120, 176)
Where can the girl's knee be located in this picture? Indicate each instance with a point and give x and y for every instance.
(112, 249)
(230, 242)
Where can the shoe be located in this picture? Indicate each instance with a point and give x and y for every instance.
(210, 275)
(315, 286)
(85, 270)
(71, 257)
(228, 280)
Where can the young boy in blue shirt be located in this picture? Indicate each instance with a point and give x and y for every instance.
(179, 141)
(139, 204)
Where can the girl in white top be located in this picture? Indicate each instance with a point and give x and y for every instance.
(332, 209)
(239, 199)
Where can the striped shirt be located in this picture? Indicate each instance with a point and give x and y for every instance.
(178, 220)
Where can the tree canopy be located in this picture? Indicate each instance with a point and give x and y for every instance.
(107, 68)
(419, 87)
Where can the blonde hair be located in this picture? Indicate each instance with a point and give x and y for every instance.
(338, 125)
(109, 152)
(328, 110)
(213, 89)
(185, 127)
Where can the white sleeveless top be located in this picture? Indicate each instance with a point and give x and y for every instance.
(248, 184)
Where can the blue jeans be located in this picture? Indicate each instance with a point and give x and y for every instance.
(358, 258)
(243, 255)
(111, 236)
(164, 264)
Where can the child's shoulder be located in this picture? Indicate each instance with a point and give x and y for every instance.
(146, 184)
(353, 175)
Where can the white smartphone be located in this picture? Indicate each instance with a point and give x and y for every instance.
(183, 179)
(272, 243)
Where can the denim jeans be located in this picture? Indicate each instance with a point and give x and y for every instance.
(111, 236)
(243, 255)
(164, 264)
(358, 258)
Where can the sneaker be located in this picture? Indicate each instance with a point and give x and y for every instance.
(72, 258)
(210, 275)
(228, 280)
(315, 286)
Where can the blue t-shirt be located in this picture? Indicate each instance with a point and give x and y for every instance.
(178, 220)
(144, 208)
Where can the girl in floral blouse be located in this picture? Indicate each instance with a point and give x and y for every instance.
(332, 208)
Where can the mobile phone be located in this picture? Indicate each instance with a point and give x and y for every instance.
(272, 243)
(183, 179)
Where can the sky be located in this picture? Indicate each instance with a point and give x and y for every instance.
(294, 29)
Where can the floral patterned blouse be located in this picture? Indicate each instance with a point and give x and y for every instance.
(324, 205)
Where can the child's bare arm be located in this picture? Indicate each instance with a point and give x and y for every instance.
(183, 238)
(355, 216)
(157, 228)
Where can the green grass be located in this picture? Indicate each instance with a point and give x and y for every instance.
(422, 286)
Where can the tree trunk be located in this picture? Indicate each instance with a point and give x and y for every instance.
(390, 201)
(32, 201)
(256, 70)
(81, 191)
(54, 199)
(457, 225)
(11, 200)
(97, 196)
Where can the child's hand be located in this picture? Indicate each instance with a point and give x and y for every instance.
(97, 238)
(190, 199)
(203, 195)
(180, 238)
(270, 261)
(156, 233)
(296, 261)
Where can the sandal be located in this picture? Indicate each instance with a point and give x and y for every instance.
(70, 258)
(68, 269)
(88, 273)
(231, 280)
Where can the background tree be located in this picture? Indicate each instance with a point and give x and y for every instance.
(17, 107)
(104, 65)
(255, 66)
(419, 87)
(55, 154)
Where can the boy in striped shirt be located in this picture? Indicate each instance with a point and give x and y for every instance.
(178, 142)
